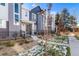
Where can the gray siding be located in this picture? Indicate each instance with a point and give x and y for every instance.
(4, 32)
(12, 28)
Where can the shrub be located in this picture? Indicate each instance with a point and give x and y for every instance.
(10, 44)
(15, 34)
(52, 32)
(68, 51)
(61, 37)
(20, 43)
(54, 52)
(77, 37)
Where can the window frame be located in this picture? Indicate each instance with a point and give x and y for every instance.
(33, 16)
(16, 17)
(3, 4)
(16, 5)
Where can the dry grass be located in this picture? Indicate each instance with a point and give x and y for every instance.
(12, 47)
(7, 51)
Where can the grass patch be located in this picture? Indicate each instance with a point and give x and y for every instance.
(68, 51)
(63, 38)
(7, 43)
(10, 43)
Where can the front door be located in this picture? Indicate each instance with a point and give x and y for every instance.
(28, 29)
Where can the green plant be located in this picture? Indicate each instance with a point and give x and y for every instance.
(68, 51)
(77, 37)
(20, 43)
(54, 52)
(51, 52)
(15, 34)
(61, 38)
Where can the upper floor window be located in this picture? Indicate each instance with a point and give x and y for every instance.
(26, 14)
(16, 7)
(33, 16)
(2, 4)
(16, 18)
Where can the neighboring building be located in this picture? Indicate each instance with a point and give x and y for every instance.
(38, 18)
(25, 13)
(41, 21)
(26, 25)
(53, 22)
(10, 15)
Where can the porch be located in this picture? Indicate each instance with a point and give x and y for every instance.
(27, 28)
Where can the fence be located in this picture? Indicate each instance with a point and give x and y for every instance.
(12, 35)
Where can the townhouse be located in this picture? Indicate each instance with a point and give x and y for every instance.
(10, 15)
(53, 22)
(16, 19)
(27, 26)
(39, 17)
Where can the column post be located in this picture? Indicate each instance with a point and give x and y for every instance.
(32, 28)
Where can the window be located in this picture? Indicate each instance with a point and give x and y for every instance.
(26, 14)
(0, 21)
(2, 4)
(33, 16)
(16, 18)
(16, 7)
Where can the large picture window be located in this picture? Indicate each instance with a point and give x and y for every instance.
(16, 8)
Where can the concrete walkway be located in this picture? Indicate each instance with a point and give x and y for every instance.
(74, 46)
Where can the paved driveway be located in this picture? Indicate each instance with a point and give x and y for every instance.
(74, 45)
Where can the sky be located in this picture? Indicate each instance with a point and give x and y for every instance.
(73, 8)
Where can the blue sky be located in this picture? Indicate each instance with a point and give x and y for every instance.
(73, 8)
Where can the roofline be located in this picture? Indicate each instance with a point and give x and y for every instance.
(35, 7)
(25, 9)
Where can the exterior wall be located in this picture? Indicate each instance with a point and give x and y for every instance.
(35, 21)
(3, 15)
(26, 27)
(11, 18)
(25, 14)
(40, 23)
(46, 20)
(53, 22)
(3, 20)
(7, 20)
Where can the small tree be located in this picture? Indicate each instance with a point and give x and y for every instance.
(57, 21)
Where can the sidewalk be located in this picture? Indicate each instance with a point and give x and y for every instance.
(74, 46)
